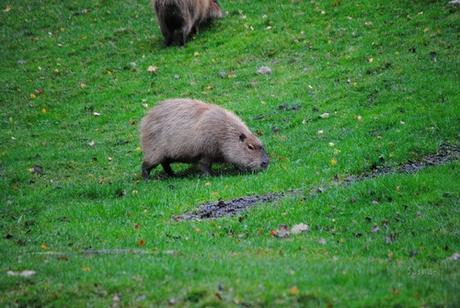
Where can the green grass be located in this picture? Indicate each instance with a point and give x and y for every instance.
(388, 75)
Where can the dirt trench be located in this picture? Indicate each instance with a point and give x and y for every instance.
(445, 154)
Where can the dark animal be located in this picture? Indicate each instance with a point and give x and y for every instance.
(179, 19)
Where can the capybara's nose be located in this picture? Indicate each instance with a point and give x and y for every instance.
(264, 164)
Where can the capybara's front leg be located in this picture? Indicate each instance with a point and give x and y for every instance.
(167, 169)
(146, 168)
(205, 166)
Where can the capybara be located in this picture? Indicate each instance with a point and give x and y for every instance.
(178, 19)
(190, 131)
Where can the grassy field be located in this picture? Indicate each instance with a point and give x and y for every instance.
(74, 83)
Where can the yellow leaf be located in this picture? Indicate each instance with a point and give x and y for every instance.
(86, 269)
(44, 246)
(294, 291)
(44, 110)
(333, 162)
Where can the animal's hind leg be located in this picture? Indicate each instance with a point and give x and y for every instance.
(185, 32)
(146, 168)
(167, 169)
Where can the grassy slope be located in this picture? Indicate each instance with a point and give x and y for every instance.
(370, 65)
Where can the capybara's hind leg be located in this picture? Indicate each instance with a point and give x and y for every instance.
(167, 169)
(146, 168)
(185, 32)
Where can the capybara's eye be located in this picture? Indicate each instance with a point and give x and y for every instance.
(250, 147)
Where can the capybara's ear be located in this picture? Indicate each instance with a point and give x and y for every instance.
(242, 137)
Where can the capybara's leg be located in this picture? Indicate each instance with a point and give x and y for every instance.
(185, 32)
(167, 169)
(169, 39)
(195, 30)
(205, 166)
(146, 168)
(167, 34)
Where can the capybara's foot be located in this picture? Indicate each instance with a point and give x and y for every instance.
(146, 168)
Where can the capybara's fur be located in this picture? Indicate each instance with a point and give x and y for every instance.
(179, 19)
(190, 131)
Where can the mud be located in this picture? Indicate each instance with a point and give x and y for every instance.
(228, 208)
(445, 154)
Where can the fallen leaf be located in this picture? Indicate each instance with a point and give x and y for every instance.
(25, 273)
(264, 70)
(300, 228)
(281, 232)
(86, 269)
(294, 291)
(141, 243)
(36, 169)
(333, 162)
(324, 115)
(390, 239)
(116, 299)
(7, 8)
(152, 69)
(97, 114)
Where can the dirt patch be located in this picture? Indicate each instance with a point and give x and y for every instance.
(228, 208)
(445, 154)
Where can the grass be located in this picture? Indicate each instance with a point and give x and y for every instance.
(388, 76)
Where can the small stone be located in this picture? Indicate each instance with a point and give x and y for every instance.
(300, 228)
(152, 69)
(264, 70)
(25, 273)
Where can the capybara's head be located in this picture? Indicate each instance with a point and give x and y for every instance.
(214, 9)
(247, 152)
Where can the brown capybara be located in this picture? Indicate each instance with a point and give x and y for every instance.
(190, 131)
(178, 19)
